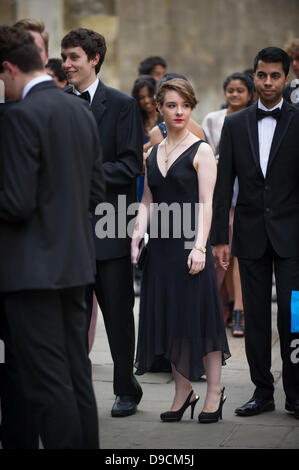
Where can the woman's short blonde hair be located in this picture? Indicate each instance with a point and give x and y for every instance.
(182, 87)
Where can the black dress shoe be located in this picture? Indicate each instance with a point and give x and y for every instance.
(255, 406)
(293, 407)
(124, 405)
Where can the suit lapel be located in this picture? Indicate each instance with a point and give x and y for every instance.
(97, 106)
(280, 131)
(253, 136)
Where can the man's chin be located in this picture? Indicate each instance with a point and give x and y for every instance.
(269, 99)
(71, 80)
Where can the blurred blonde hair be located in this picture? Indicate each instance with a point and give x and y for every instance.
(30, 24)
(292, 48)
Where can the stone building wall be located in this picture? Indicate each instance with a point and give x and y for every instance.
(204, 39)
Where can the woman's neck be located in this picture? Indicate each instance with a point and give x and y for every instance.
(175, 135)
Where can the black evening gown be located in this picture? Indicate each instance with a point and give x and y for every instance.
(180, 314)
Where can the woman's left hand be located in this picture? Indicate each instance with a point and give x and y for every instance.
(196, 261)
(134, 252)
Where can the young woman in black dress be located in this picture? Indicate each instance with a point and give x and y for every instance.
(180, 314)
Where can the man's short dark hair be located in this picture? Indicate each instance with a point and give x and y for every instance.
(18, 47)
(149, 63)
(91, 42)
(56, 66)
(273, 54)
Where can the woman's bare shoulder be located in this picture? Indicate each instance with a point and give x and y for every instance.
(155, 135)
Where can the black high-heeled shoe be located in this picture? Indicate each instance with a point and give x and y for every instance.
(169, 416)
(238, 324)
(213, 417)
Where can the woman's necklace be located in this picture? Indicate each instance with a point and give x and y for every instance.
(165, 150)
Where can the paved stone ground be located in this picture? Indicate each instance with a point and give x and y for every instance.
(144, 430)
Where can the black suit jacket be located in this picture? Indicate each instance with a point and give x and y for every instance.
(120, 130)
(49, 148)
(267, 207)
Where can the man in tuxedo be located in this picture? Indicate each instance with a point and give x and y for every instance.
(120, 130)
(260, 145)
(17, 430)
(46, 245)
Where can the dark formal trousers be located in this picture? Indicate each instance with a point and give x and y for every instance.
(115, 296)
(18, 428)
(256, 278)
(47, 330)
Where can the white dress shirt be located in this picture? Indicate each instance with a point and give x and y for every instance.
(91, 90)
(266, 129)
(35, 81)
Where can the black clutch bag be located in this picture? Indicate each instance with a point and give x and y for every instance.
(141, 255)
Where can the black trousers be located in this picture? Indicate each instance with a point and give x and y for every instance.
(115, 295)
(18, 428)
(47, 331)
(256, 279)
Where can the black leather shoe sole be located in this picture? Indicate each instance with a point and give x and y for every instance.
(123, 413)
(252, 411)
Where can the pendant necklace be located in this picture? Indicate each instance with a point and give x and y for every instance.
(180, 142)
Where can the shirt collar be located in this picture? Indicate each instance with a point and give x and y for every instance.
(261, 106)
(35, 81)
(91, 89)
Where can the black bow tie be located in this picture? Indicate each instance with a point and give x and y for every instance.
(261, 114)
(85, 96)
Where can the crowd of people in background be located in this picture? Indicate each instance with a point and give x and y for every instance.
(68, 143)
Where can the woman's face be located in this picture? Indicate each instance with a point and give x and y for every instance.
(146, 101)
(237, 95)
(175, 109)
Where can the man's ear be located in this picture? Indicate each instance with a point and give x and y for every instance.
(95, 60)
(10, 68)
(287, 80)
